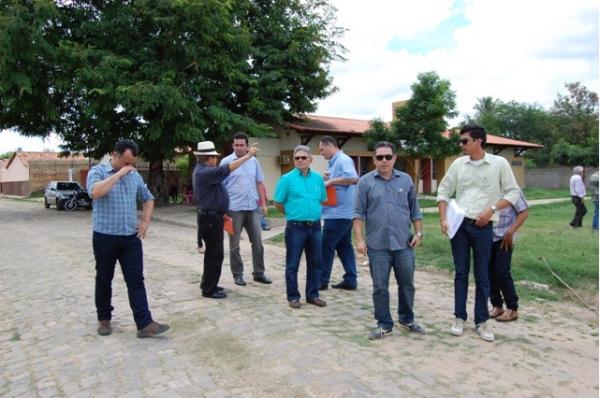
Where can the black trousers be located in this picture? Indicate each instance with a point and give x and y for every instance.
(580, 211)
(502, 284)
(210, 228)
(128, 250)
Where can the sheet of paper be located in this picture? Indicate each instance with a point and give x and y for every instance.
(455, 216)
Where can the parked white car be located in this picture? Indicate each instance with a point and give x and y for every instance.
(58, 192)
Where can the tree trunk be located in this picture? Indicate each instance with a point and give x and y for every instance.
(156, 182)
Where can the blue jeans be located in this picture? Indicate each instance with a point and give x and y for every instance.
(471, 237)
(300, 238)
(595, 219)
(337, 236)
(501, 280)
(380, 264)
(128, 250)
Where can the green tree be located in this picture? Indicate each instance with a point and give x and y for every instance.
(164, 73)
(576, 120)
(419, 123)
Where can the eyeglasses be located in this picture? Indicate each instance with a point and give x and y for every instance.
(381, 157)
(465, 141)
(300, 157)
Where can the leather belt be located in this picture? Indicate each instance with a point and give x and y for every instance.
(208, 212)
(474, 221)
(305, 223)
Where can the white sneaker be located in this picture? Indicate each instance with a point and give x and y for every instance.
(457, 327)
(484, 331)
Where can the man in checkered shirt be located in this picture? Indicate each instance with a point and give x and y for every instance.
(116, 187)
(501, 282)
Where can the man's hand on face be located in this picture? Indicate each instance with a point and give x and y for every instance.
(123, 171)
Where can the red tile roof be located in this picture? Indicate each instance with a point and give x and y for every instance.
(26, 157)
(330, 125)
(338, 125)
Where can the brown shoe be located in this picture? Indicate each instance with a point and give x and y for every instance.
(317, 301)
(104, 328)
(152, 330)
(295, 304)
(496, 311)
(508, 316)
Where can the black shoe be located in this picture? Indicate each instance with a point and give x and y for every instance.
(324, 286)
(215, 295)
(218, 288)
(239, 280)
(267, 228)
(262, 278)
(344, 285)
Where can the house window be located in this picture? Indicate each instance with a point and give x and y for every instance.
(516, 163)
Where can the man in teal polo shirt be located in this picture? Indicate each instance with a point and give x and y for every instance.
(299, 195)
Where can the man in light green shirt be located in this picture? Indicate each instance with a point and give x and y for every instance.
(482, 184)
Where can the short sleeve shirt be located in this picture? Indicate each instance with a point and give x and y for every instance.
(301, 195)
(116, 212)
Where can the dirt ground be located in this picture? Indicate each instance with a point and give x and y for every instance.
(252, 344)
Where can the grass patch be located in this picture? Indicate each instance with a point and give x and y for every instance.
(274, 212)
(278, 239)
(544, 193)
(423, 203)
(16, 336)
(573, 254)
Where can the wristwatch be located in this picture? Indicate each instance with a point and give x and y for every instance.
(419, 234)
(494, 209)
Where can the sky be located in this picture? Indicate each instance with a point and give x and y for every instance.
(522, 50)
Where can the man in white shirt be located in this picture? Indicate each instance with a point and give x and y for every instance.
(577, 194)
(483, 184)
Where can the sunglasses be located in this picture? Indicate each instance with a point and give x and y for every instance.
(465, 141)
(300, 157)
(386, 157)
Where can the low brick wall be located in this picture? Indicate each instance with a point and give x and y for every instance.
(552, 177)
(17, 188)
(42, 172)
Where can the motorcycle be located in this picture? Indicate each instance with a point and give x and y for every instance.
(79, 199)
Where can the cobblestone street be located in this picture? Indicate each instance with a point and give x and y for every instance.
(252, 344)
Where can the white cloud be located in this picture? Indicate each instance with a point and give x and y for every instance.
(11, 141)
(522, 50)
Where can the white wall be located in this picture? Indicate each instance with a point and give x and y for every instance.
(16, 172)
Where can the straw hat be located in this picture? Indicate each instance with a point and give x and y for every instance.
(206, 148)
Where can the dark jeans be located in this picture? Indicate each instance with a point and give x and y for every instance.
(337, 236)
(302, 238)
(128, 250)
(381, 262)
(471, 237)
(580, 211)
(501, 281)
(210, 227)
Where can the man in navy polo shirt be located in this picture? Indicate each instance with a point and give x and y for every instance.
(299, 195)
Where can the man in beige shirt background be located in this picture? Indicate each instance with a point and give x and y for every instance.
(483, 184)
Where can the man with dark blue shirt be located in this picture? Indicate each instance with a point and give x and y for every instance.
(213, 202)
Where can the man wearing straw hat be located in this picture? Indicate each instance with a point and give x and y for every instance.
(213, 202)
